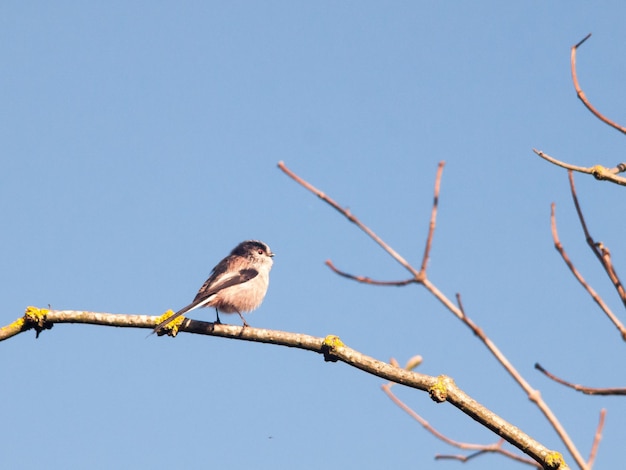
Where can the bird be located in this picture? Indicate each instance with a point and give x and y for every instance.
(237, 284)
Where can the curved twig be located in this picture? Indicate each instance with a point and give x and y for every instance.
(581, 388)
(496, 447)
(581, 94)
(368, 280)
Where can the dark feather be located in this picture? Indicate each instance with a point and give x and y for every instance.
(207, 289)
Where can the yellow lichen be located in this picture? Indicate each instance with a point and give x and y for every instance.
(439, 390)
(172, 327)
(598, 171)
(332, 342)
(36, 318)
(554, 460)
(35, 315)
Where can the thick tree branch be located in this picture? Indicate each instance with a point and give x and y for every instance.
(441, 388)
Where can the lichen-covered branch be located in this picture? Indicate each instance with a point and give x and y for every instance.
(440, 388)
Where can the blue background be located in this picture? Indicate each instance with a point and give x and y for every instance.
(139, 143)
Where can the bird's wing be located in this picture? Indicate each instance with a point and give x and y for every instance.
(207, 291)
(210, 288)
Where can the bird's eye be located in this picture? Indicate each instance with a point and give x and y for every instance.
(260, 251)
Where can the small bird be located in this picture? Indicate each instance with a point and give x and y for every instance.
(237, 284)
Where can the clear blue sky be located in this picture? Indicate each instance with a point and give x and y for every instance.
(139, 143)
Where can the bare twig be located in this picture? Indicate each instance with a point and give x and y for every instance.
(598, 171)
(481, 448)
(581, 94)
(602, 252)
(494, 448)
(596, 439)
(594, 295)
(367, 280)
(433, 219)
(460, 304)
(581, 388)
(568, 166)
(404, 407)
(421, 278)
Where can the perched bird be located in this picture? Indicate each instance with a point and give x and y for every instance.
(237, 284)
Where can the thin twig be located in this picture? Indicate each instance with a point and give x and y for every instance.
(425, 424)
(568, 166)
(598, 171)
(487, 450)
(581, 388)
(367, 280)
(581, 94)
(460, 303)
(433, 219)
(594, 295)
(602, 253)
(596, 439)
(494, 448)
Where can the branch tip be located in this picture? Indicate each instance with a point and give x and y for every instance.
(580, 43)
